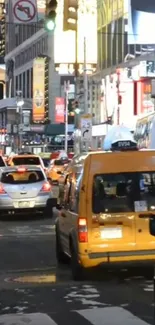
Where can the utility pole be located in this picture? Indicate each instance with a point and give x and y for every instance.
(85, 78)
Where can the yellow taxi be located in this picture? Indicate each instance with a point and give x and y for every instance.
(107, 214)
(56, 168)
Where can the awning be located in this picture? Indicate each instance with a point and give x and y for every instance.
(56, 129)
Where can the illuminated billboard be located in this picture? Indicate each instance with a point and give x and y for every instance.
(38, 90)
(64, 45)
(59, 109)
(141, 22)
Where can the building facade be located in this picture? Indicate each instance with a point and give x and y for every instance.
(126, 61)
(24, 43)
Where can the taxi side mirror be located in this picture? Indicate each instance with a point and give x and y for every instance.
(49, 180)
(58, 207)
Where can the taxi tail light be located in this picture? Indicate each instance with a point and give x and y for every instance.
(46, 187)
(82, 230)
(2, 191)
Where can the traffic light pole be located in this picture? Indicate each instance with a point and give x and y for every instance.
(85, 79)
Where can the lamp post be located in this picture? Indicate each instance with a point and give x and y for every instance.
(20, 103)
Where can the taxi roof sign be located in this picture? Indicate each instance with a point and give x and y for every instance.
(115, 134)
(123, 145)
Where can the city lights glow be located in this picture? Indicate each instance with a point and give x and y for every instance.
(87, 27)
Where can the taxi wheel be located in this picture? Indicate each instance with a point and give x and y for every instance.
(60, 255)
(76, 269)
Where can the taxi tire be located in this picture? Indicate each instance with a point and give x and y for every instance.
(60, 255)
(76, 269)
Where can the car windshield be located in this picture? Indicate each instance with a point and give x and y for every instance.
(123, 192)
(26, 177)
(60, 162)
(26, 161)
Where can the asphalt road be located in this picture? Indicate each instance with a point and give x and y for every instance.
(31, 283)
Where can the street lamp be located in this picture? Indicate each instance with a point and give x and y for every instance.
(20, 103)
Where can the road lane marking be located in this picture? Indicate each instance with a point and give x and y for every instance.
(51, 233)
(52, 278)
(111, 316)
(37, 269)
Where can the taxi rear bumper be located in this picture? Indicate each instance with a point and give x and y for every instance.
(128, 258)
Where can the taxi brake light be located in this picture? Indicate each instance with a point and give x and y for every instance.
(82, 230)
(21, 170)
(2, 191)
(46, 187)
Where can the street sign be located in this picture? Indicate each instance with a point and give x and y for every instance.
(86, 128)
(24, 11)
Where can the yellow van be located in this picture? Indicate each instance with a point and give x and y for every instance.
(107, 215)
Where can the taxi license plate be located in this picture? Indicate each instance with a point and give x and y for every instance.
(111, 233)
(24, 204)
(55, 191)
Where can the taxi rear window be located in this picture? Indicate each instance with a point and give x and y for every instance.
(27, 177)
(60, 162)
(26, 161)
(123, 192)
(46, 161)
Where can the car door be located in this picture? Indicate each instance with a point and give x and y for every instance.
(146, 207)
(63, 214)
(71, 211)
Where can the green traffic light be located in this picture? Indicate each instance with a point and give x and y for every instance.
(50, 25)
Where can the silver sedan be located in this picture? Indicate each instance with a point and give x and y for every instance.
(25, 189)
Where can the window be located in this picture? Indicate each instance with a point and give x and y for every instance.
(17, 83)
(24, 83)
(123, 192)
(15, 177)
(72, 191)
(20, 82)
(31, 83)
(26, 161)
(28, 83)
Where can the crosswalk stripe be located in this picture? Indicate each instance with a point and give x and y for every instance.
(111, 316)
(33, 319)
(96, 316)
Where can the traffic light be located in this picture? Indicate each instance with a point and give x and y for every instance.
(70, 15)
(75, 104)
(51, 6)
